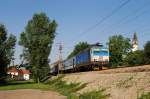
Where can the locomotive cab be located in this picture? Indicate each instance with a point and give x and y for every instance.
(99, 56)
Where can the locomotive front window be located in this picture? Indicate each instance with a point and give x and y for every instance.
(100, 53)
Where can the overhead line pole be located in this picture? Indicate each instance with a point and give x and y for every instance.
(60, 65)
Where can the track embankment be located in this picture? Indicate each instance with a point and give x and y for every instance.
(144, 68)
(121, 83)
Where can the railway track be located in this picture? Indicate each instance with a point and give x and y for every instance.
(143, 68)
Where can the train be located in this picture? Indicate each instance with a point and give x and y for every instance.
(96, 56)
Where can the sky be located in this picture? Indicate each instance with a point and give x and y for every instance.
(79, 20)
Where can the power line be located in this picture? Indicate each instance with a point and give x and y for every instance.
(103, 19)
(137, 16)
(126, 17)
(108, 16)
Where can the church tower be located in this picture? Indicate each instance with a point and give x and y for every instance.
(134, 43)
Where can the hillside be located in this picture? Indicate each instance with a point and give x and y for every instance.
(121, 83)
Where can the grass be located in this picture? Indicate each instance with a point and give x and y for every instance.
(145, 96)
(24, 85)
(125, 83)
(63, 88)
(70, 90)
(93, 95)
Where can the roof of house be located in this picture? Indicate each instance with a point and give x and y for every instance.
(20, 71)
(24, 71)
(12, 69)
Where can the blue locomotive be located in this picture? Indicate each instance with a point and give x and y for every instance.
(94, 57)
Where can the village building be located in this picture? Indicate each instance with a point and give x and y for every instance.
(12, 71)
(23, 74)
(18, 73)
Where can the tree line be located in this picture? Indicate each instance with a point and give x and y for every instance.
(37, 39)
(7, 45)
(121, 54)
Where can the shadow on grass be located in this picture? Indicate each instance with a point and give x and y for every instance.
(16, 83)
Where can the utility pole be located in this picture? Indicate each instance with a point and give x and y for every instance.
(60, 65)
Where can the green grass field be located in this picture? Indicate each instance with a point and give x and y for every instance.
(24, 85)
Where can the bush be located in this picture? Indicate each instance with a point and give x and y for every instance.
(93, 95)
(70, 90)
(145, 96)
(147, 52)
(135, 58)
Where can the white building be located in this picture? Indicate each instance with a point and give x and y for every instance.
(24, 74)
(135, 43)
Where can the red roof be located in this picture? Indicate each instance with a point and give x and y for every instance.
(12, 69)
(21, 71)
(24, 71)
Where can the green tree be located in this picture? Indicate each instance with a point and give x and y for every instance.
(7, 45)
(78, 48)
(119, 47)
(147, 52)
(37, 40)
(135, 58)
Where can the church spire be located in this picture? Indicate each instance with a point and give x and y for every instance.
(135, 42)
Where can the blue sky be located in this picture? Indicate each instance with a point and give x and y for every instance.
(74, 17)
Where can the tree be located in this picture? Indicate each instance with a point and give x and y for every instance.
(78, 48)
(7, 45)
(135, 58)
(119, 47)
(147, 52)
(37, 40)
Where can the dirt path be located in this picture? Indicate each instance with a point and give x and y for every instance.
(30, 94)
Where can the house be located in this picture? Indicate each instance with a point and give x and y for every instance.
(18, 73)
(24, 74)
(12, 71)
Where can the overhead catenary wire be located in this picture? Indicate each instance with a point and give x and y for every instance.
(111, 14)
(135, 17)
(127, 16)
(102, 20)
(108, 16)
